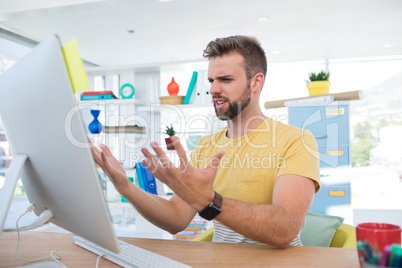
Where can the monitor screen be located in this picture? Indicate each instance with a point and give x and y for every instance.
(42, 122)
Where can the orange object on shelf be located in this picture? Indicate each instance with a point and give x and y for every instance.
(173, 88)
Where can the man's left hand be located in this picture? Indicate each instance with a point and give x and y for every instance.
(191, 184)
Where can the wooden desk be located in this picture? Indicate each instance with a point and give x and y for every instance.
(197, 254)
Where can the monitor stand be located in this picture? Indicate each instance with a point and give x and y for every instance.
(7, 192)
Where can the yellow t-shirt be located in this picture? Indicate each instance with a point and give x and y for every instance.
(251, 163)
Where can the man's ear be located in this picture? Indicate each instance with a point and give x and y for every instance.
(257, 82)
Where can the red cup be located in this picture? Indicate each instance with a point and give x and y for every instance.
(378, 235)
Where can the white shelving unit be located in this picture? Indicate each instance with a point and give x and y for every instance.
(145, 107)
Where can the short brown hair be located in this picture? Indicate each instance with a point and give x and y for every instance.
(249, 47)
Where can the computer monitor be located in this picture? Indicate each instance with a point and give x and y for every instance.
(50, 147)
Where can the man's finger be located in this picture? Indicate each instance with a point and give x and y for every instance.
(152, 164)
(106, 150)
(216, 159)
(96, 153)
(180, 152)
(164, 160)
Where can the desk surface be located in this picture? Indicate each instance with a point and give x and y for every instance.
(197, 254)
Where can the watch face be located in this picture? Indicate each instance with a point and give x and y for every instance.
(127, 91)
(210, 212)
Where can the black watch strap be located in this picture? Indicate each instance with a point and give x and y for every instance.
(213, 209)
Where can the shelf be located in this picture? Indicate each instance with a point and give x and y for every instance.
(190, 132)
(186, 106)
(158, 107)
(123, 130)
(115, 101)
(342, 96)
(6, 157)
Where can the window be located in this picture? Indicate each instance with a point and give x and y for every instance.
(375, 121)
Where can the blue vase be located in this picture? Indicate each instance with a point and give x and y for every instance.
(95, 126)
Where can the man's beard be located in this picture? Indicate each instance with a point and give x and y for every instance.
(235, 107)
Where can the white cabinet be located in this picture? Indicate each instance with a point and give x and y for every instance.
(125, 112)
(145, 110)
(125, 145)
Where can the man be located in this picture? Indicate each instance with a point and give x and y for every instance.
(256, 178)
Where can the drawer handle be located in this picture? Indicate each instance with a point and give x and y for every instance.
(336, 152)
(336, 111)
(336, 193)
(321, 137)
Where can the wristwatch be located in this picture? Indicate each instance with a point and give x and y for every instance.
(213, 209)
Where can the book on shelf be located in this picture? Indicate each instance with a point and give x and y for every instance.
(98, 92)
(139, 175)
(201, 89)
(189, 98)
(124, 129)
(149, 181)
(98, 97)
(145, 178)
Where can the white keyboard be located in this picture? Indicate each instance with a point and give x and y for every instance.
(130, 255)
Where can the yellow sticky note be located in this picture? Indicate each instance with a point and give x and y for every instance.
(75, 66)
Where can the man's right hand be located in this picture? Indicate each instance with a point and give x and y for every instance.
(111, 166)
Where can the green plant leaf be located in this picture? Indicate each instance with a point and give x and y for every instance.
(170, 131)
(321, 76)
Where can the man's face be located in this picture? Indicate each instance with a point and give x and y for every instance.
(230, 89)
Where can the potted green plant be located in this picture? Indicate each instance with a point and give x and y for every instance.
(170, 132)
(318, 83)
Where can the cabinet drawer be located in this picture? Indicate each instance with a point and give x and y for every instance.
(328, 124)
(333, 156)
(328, 197)
(335, 177)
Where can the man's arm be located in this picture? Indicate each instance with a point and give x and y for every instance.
(172, 215)
(276, 224)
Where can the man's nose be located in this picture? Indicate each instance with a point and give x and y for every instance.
(215, 89)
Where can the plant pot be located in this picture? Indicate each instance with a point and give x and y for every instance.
(192, 141)
(169, 144)
(318, 87)
(171, 100)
